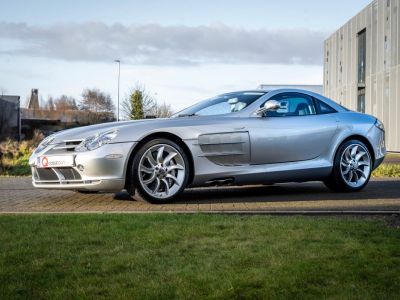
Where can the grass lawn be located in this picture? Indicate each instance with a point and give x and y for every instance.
(387, 170)
(197, 256)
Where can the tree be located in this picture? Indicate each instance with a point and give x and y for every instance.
(138, 104)
(94, 100)
(65, 103)
(162, 110)
(49, 105)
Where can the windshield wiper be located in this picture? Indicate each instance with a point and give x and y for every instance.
(187, 115)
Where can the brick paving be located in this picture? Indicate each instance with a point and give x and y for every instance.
(392, 159)
(18, 195)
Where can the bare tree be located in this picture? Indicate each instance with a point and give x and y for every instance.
(65, 103)
(49, 104)
(96, 101)
(99, 105)
(162, 110)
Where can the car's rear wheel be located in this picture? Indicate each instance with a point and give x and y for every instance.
(160, 170)
(352, 167)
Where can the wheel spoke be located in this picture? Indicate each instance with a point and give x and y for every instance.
(345, 172)
(157, 187)
(354, 151)
(146, 170)
(347, 155)
(362, 173)
(359, 155)
(363, 163)
(151, 179)
(151, 159)
(166, 185)
(350, 176)
(169, 157)
(355, 176)
(173, 178)
(159, 154)
(175, 167)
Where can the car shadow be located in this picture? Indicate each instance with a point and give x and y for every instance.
(311, 191)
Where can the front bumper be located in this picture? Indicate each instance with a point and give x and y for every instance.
(102, 169)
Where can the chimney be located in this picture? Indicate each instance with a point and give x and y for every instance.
(34, 100)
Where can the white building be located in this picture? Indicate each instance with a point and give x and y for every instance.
(362, 65)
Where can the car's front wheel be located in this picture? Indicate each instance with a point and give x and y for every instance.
(352, 167)
(160, 170)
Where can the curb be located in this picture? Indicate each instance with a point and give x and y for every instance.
(220, 212)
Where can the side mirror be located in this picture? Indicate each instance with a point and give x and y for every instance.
(270, 105)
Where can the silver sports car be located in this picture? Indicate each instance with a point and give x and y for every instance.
(246, 137)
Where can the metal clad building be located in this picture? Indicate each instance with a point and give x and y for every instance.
(362, 65)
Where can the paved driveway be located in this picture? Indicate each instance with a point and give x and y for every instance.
(392, 159)
(18, 195)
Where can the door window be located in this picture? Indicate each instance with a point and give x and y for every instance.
(324, 108)
(292, 105)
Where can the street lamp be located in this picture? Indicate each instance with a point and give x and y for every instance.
(119, 75)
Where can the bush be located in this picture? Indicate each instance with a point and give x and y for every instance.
(14, 155)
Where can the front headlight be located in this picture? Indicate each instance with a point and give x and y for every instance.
(96, 141)
(380, 125)
(44, 143)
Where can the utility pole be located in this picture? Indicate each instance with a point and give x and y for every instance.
(119, 75)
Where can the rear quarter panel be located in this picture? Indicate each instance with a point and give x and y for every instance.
(352, 124)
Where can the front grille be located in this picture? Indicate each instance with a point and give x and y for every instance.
(46, 174)
(56, 174)
(65, 146)
(70, 173)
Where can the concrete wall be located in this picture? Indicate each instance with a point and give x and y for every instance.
(49, 121)
(9, 119)
(382, 85)
(67, 116)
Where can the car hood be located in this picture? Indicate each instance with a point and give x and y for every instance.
(83, 132)
(130, 131)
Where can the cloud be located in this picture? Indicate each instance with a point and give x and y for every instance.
(154, 44)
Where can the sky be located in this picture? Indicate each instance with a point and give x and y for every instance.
(181, 51)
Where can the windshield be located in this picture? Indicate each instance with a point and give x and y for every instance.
(222, 104)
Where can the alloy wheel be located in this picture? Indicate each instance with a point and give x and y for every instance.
(355, 165)
(161, 171)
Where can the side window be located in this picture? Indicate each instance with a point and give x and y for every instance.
(324, 108)
(293, 105)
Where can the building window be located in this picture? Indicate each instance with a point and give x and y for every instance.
(362, 54)
(361, 100)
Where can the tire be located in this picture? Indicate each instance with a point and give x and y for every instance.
(352, 167)
(160, 171)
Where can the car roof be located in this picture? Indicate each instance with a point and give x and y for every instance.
(328, 101)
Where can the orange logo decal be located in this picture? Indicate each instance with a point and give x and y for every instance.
(45, 162)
